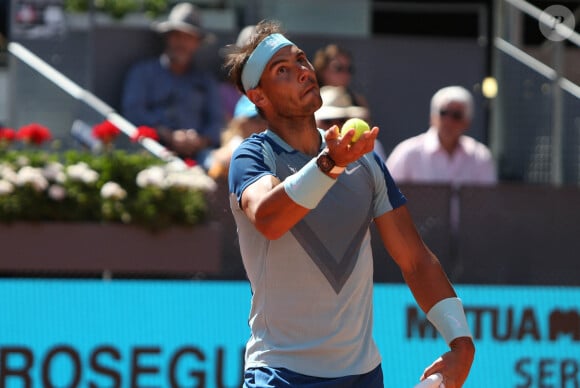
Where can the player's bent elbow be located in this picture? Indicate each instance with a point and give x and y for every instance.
(271, 225)
(270, 232)
(418, 264)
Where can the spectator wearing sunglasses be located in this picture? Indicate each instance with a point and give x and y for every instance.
(444, 154)
(333, 67)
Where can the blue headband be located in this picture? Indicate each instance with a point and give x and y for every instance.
(260, 57)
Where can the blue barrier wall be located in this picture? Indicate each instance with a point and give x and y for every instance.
(88, 333)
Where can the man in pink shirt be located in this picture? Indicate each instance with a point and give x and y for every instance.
(444, 154)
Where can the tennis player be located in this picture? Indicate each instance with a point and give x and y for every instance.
(303, 200)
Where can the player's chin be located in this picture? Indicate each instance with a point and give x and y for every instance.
(312, 99)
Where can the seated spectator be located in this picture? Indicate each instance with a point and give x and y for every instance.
(172, 94)
(337, 107)
(444, 154)
(333, 66)
(245, 122)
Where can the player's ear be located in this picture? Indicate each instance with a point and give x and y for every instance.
(257, 97)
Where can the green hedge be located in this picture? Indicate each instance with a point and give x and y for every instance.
(117, 186)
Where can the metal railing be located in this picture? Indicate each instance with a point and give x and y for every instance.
(75, 91)
(547, 146)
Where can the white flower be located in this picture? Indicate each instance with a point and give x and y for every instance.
(168, 176)
(177, 179)
(151, 176)
(22, 161)
(6, 187)
(82, 172)
(193, 178)
(57, 192)
(90, 176)
(54, 171)
(31, 176)
(8, 173)
(112, 190)
(75, 171)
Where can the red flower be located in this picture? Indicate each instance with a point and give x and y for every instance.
(190, 162)
(106, 131)
(7, 135)
(145, 131)
(34, 133)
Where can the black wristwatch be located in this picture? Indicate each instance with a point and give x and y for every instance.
(327, 165)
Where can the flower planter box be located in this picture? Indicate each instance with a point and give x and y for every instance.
(91, 249)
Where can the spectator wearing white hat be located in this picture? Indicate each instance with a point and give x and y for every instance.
(337, 107)
(172, 94)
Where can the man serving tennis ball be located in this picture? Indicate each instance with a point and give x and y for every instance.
(305, 247)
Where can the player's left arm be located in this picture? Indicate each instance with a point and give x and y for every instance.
(421, 269)
(429, 284)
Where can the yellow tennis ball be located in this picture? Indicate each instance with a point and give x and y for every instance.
(359, 125)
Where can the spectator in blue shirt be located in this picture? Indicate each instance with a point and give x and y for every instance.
(172, 94)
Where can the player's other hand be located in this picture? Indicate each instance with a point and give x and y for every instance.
(342, 151)
(455, 364)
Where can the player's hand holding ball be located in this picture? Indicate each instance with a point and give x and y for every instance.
(359, 125)
(350, 142)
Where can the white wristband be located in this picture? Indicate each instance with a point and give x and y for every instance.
(308, 185)
(449, 319)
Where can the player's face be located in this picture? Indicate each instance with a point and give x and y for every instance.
(290, 83)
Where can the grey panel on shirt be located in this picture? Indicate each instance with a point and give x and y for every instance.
(332, 233)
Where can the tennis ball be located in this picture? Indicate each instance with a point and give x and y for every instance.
(359, 125)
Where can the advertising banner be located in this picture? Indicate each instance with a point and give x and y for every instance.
(142, 333)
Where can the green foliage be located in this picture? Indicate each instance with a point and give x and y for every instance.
(76, 5)
(70, 186)
(118, 9)
(154, 8)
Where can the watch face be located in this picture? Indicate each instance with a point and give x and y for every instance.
(325, 163)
